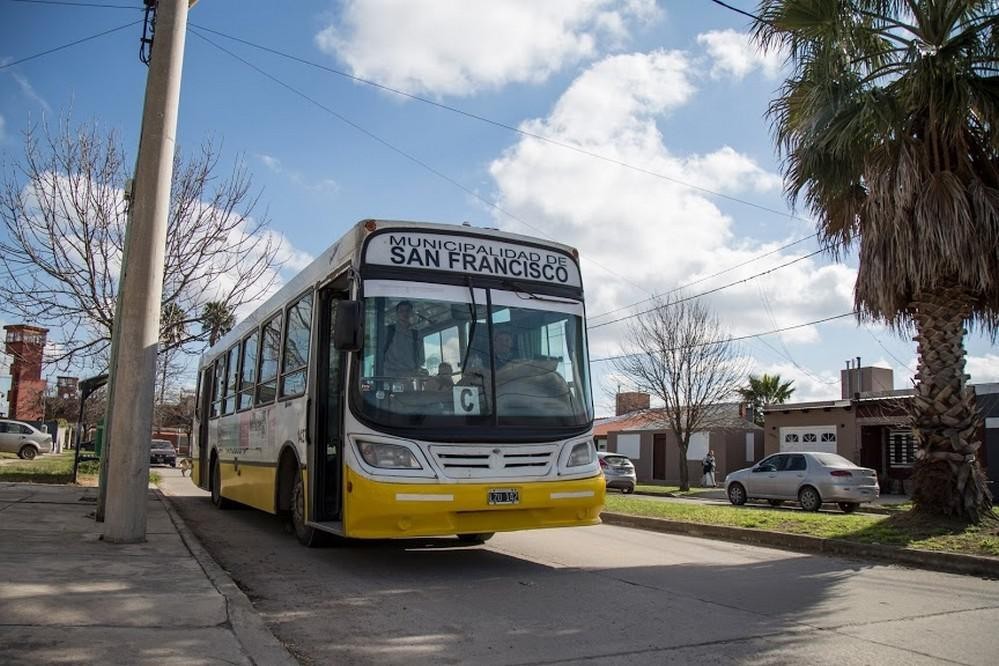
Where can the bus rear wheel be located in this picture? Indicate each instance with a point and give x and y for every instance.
(478, 537)
(217, 499)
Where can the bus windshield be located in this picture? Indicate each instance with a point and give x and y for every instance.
(448, 355)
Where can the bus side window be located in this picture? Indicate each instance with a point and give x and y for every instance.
(229, 403)
(270, 354)
(218, 386)
(296, 347)
(249, 374)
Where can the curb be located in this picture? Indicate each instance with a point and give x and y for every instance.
(257, 641)
(969, 565)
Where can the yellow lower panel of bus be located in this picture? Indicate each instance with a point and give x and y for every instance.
(249, 484)
(386, 510)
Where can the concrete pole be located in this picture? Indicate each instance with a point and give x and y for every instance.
(135, 375)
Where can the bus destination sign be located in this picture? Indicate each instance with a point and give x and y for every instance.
(465, 254)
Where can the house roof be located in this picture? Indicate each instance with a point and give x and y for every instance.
(723, 416)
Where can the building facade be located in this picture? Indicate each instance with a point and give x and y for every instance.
(26, 397)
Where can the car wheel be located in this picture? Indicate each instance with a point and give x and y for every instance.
(627, 490)
(173, 464)
(737, 494)
(775, 503)
(809, 499)
(478, 537)
(217, 499)
(848, 507)
(27, 452)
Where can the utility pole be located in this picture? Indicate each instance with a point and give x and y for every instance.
(141, 282)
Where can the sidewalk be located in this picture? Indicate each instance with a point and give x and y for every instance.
(68, 597)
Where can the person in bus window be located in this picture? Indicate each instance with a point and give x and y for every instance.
(443, 380)
(503, 351)
(402, 351)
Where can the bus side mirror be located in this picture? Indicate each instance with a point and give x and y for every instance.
(347, 334)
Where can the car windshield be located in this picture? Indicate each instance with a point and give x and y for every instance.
(833, 460)
(162, 445)
(452, 355)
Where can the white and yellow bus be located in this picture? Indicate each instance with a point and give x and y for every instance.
(415, 380)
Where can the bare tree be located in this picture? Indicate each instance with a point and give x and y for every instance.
(64, 210)
(679, 353)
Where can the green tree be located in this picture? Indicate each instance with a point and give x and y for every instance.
(766, 390)
(216, 320)
(887, 131)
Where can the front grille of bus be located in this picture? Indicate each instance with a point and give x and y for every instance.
(483, 462)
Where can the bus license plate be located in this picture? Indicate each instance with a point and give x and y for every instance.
(504, 496)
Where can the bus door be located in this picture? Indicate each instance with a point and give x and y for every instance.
(204, 406)
(328, 450)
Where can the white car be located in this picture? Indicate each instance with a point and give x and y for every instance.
(811, 478)
(25, 440)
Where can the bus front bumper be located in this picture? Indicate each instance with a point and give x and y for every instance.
(378, 510)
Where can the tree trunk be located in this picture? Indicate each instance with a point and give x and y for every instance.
(684, 473)
(947, 478)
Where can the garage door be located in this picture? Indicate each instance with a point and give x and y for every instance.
(811, 438)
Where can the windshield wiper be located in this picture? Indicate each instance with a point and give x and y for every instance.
(473, 311)
(524, 289)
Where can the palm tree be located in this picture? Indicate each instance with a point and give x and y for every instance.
(766, 390)
(887, 130)
(217, 319)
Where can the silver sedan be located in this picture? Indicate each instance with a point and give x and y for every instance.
(811, 478)
(25, 440)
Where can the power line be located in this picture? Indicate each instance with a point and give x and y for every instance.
(738, 11)
(66, 46)
(496, 123)
(394, 148)
(705, 293)
(888, 351)
(704, 279)
(736, 339)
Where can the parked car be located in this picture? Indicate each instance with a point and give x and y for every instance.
(810, 478)
(25, 440)
(161, 452)
(618, 471)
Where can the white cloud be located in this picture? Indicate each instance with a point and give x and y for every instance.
(983, 369)
(317, 185)
(458, 48)
(735, 55)
(653, 234)
(29, 91)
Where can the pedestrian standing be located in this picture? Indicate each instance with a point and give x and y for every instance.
(708, 466)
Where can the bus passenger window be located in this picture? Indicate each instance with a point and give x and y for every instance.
(218, 386)
(229, 403)
(249, 375)
(296, 348)
(270, 351)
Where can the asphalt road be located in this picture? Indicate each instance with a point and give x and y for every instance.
(605, 594)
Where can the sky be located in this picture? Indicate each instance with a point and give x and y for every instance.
(674, 177)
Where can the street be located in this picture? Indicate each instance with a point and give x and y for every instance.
(603, 594)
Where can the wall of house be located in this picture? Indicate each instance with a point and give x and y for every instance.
(844, 419)
(736, 449)
(730, 449)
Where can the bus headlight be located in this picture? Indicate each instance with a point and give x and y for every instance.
(387, 456)
(581, 454)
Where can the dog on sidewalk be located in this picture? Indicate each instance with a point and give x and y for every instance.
(185, 466)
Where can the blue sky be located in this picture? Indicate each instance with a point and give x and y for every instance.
(671, 87)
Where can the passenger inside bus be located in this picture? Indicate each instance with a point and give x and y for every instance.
(403, 350)
(442, 381)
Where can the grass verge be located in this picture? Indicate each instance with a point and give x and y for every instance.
(903, 530)
(672, 491)
(57, 469)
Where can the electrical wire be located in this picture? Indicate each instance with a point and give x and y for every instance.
(738, 11)
(737, 338)
(888, 351)
(395, 149)
(705, 293)
(496, 123)
(66, 46)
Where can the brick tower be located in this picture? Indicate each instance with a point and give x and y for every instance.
(27, 388)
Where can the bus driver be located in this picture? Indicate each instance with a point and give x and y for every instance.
(402, 353)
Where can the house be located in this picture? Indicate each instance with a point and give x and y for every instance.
(643, 434)
(869, 425)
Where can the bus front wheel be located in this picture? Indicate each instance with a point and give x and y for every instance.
(478, 537)
(307, 536)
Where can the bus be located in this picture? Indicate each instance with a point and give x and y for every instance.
(415, 380)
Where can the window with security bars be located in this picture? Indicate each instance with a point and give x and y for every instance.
(901, 448)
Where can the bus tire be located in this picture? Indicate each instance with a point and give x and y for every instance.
(309, 537)
(477, 537)
(216, 487)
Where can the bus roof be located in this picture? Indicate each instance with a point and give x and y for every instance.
(341, 254)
